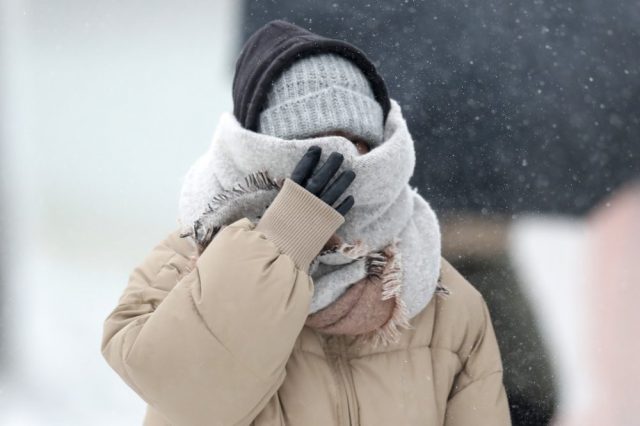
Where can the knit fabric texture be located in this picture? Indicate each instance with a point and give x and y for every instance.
(391, 232)
(319, 94)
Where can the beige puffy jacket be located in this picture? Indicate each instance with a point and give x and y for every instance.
(221, 340)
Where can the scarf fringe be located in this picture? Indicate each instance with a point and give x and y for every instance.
(392, 287)
(253, 182)
(387, 266)
(384, 265)
(257, 181)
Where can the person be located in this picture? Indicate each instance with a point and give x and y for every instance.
(305, 284)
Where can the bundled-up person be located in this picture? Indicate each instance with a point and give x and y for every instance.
(305, 283)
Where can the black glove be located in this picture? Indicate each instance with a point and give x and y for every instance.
(316, 182)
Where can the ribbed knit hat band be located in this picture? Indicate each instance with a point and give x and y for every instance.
(320, 94)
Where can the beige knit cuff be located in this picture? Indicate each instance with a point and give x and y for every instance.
(299, 223)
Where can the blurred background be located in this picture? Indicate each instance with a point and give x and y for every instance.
(526, 118)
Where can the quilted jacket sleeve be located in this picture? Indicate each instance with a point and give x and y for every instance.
(206, 342)
(478, 396)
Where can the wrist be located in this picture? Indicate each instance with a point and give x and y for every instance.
(299, 223)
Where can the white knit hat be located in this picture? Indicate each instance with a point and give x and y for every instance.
(319, 94)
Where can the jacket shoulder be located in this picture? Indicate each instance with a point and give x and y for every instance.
(172, 255)
(460, 315)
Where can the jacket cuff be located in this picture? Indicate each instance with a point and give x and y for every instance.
(299, 223)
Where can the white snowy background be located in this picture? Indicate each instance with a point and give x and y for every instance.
(103, 107)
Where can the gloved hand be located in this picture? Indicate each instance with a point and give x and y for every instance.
(316, 183)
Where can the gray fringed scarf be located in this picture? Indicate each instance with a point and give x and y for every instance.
(242, 171)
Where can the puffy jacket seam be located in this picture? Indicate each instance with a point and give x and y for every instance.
(268, 395)
(435, 320)
(478, 342)
(451, 351)
(477, 379)
(401, 350)
(168, 265)
(125, 362)
(138, 322)
(213, 335)
(306, 352)
(465, 365)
